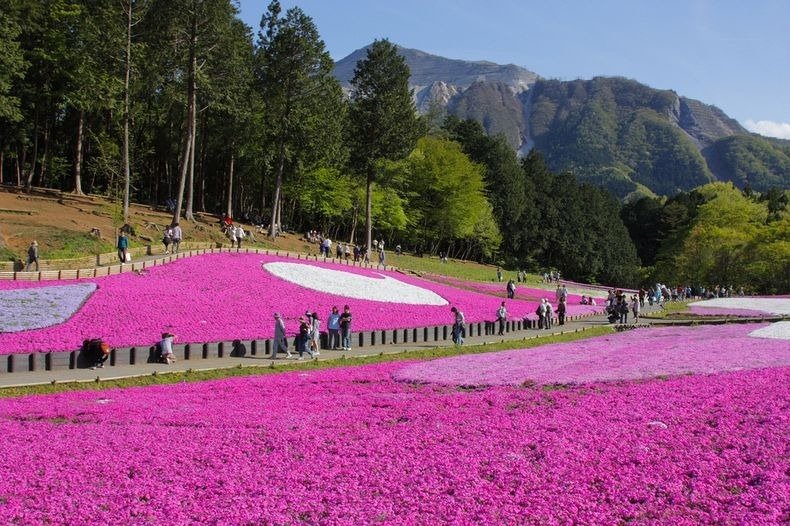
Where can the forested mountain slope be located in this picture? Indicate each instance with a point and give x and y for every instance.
(609, 131)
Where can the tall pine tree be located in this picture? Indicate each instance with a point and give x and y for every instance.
(383, 119)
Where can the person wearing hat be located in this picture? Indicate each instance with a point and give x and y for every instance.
(32, 255)
(280, 342)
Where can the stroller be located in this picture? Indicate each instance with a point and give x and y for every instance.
(612, 314)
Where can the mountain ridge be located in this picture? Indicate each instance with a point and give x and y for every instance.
(613, 131)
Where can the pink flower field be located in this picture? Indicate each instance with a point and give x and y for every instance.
(353, 446)
(229, 296)
(640, 353)
(522, 291)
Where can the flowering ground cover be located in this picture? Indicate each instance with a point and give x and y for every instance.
(640, 353)
(779, 330)
(353, 446)
(231, 296)
(522, 291)
(25, 309)
(343, 283)
(742, 306)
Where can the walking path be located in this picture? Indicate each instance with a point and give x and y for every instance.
(143, 369)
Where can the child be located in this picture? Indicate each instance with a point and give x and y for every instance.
(166, 347)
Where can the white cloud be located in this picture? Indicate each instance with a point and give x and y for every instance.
(780, 130)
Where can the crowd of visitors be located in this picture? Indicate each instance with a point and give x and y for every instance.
(347, 250)
(307, 339)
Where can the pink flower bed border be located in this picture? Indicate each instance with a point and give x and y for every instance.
(500, 289)
(220, 297)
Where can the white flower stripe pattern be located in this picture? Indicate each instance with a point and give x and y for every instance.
(779, 306)
(383, 288)
(779, 331)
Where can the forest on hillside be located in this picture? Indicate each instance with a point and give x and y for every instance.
(177, 103)
(640, 141)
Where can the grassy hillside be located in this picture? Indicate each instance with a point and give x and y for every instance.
(61, 223)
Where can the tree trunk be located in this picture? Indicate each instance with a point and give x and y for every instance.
(188, 214)
(42, 173)
(229, 207)
(278, 181)
(2, 162)
(368, 214)
(353, 225)
(78, 155)
(189, 134)
(125, 154)
(280, 212)
(202, 172)
(184, 166)
(32, 171)
(192, 112)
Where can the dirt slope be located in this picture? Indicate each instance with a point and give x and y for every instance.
(62, 224)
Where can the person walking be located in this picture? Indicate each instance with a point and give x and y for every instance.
(280, 341)
(333, 328)
(548, 322)
(541, 312)
(561, 309)
(303, 339)
(123, 247)
(499, 274)
(167, 238)
(511, 289)
(239, 235)
(232, 236)
(501, 317)
(166, 348)
(622, 309)
(345, 328)
(315, 333)
(177, 235)
(636, 307)
(32, 255)
(382, 259)
(459, 326)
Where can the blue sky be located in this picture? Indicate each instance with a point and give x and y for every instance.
(734, 54)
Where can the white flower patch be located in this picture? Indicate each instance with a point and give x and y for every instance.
(25, 309)
(382, 288)
(779, 306)
(779, 330)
